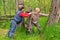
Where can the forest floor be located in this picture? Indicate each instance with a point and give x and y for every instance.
(48, 33)
(19, 36)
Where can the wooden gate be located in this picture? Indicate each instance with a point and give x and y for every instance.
(8, 7)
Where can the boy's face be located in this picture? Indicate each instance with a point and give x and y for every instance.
(21, 7)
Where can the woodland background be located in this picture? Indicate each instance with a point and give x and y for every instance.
(51, 32)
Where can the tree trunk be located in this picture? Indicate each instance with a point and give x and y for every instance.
(16, 5)
(18, 2)
(54, 12)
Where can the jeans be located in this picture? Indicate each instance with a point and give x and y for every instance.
(12, 28)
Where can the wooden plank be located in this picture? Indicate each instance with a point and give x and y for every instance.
(4, 7)
(5, 19)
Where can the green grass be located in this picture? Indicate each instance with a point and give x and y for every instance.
(20, 32)
(52, 32)
(49, 33)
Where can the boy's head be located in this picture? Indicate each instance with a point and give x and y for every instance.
(21, 6)
(29, 9)
(37, 10)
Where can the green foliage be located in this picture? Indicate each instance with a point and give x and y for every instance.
(20, 32)
(49, 33)
(10, 7)
(52, 32)
(44, 5)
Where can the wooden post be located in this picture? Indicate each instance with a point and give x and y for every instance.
(4, 7)
(18, 2)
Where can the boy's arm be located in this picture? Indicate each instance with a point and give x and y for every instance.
(42, 14)
(24, 15)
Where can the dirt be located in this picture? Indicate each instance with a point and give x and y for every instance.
(3, 32)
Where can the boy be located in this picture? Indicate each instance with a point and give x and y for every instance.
(33, 19)
(17, 19)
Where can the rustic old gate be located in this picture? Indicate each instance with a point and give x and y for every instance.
(8, 7)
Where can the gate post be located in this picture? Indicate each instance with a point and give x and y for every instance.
(4, 7)
(18, 2)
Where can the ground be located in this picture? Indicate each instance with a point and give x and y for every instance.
(48, 33)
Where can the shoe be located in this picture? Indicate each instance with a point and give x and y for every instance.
(10, 34)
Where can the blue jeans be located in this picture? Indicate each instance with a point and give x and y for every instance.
(12, 28)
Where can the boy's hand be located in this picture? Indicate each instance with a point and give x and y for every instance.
(29, 13)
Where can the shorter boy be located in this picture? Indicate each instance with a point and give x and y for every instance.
(33, 19)
(17, 19)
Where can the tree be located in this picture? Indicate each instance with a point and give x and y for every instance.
(18, 2)
(54, 14)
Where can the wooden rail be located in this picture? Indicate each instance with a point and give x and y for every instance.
(9, 17)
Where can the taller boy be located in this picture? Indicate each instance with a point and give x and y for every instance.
(17, 19)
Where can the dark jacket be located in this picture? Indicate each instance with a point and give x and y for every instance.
(17, 18)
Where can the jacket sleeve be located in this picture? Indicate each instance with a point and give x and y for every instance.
(24, 15)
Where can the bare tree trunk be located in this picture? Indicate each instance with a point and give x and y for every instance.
(54, 12)
(4, 1)
(18, 2)
(59, 11)
(16, 5)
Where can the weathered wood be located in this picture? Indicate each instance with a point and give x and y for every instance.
(16, 5)
(5, 19)
(10, 7)
(4, 7)
(11, 16)
(18, 2)
(7, 16)
(54, 12)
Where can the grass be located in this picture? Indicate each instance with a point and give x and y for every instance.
(20, 32)
(53, 32)
(49, 33)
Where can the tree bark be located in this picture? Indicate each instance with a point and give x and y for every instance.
(18, 2)
(16, 5)
(54, 12)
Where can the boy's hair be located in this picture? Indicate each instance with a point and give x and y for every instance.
(29, 10)
(37, 9)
